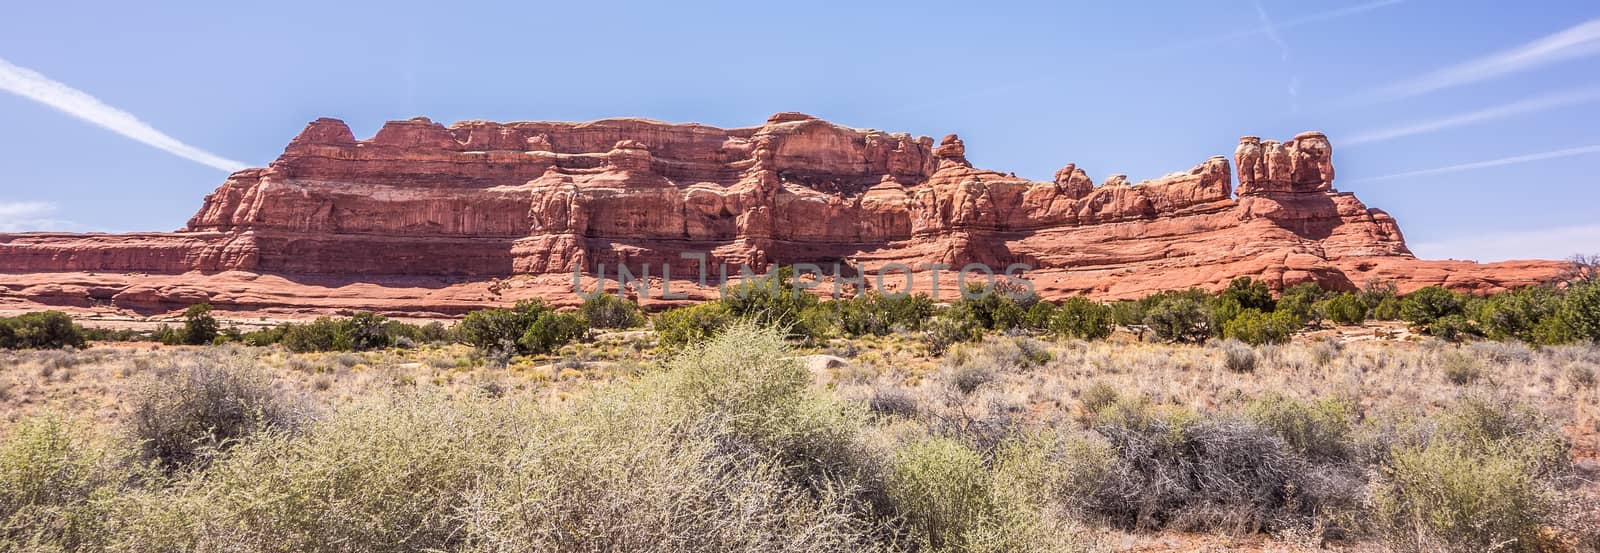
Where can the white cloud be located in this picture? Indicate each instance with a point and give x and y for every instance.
(1576, 42)
(1568, 152)
(32, 216)
(1549, 243)
(34, 86)
(1541, 103)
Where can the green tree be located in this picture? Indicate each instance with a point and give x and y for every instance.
(1180, 316)
(1255, 327)
(1080, 317)
(1250, 293)
(1301, 300)
(551, 330)
(676, 328)
(1580, 310)
(365, 331)
(1429, 304)
(1518, 313)
(42, 330)
(604, 310)
(1346, 309)
(199, 327)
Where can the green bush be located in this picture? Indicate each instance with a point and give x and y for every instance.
(1518, 314)
(1426, 305)
(676, 328)
(1453, 328)
(1346, 309)
(878, 314)
(1080, 317)
(1387, 310)
(40, 330)
(773, 300)
(1300, 301)
(1257, 328)
(1041, 315)
(1180, 316)
(323, 334)
(609, 311)
(1580, 311)
(509, 331)
(1376, 291)
(987, 308)
(551, 330)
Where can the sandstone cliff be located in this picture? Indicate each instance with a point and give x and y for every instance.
(426, 218)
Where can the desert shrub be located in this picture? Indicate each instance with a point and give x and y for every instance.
(199, 327)
(746, 378)
(551, 330)
(391, 473)
(1238, 357)
(1321, 431)
(1580, 311)
(1180, 316)
(1346, 309)
(40, 330)
(53, 474)
(1177, 470)
(1097, 396)
(609, 311)
(943, 490)
(1481, 479)
(1255, 327)
(944, 331)
(892, 401)
(614, 475)
(676, 328)
(1447, 497)
(1080, 317)
(1426, 305)
(183, 415)
(1459, 367)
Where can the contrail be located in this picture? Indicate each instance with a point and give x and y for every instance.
(1268, 28)
(1541, 103)
(1569, 152)
(1576, 42)
(1271, 30)
(29, 84)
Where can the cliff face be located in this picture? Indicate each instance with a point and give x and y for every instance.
(422, 208)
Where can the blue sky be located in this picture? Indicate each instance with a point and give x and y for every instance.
(1473, 122)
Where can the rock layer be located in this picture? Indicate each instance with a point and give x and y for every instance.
(431, 219)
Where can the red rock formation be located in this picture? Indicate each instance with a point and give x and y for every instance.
(421, 216)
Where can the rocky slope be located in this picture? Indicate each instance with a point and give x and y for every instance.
(423, 218)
